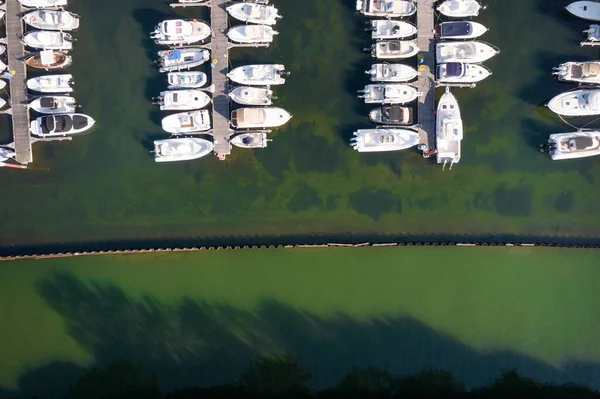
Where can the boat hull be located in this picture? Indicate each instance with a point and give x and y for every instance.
(257, 118)
(384, 139)
(183, 100)
(251, 34)
(52, 20)
(43, 3)
(576, 103)
(448, 130)
(391, 29)
(392, 73)
(394, 49)
(61, 60)
(181, 149)
(471, 73)
(250, 140)
(574, 145)
(473, 52)
(39, 127)
(455, 30)
(588, 10)
(180, 59)
(187, 122)
(459, 8)
(246, 95)
(48, 40)
(186, 80)
(258, 75)
(254, 13)
(60, 105)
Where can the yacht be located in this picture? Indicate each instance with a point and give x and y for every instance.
(574, 145)
(182, 100)
(259, 75)
(392, 73)
(458, 30)
(48, 40)
(459, 72)
(61, 125)
(263, 117)
(186, 80)
(51, 83)
(589, 10)
(180, 32)
(394, 49)
(252, 34)
(254, 13)
(187, 122)
(582, 102)
(386, 8)
(391, 93)
(184, 58)
(459, 8)
(581, 72)
(469, 52)
(247, 95)
(52, 20)
(250, 140)
(53, 105)
(181, 149)
(391, 29)
(448, 130)
(43, 3)
(49, 59)
(393, 115)
(384, 139)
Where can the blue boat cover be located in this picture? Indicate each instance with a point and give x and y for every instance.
(175, 54)
(454, 69)
(456, 28)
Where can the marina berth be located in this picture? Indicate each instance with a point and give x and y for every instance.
(52, 20)
(181, 149)
(184, 58)
(51, 83)
(49, 59)
(53, 105)
(186, 80)
(467, 52)
(182, 100)
(254, 13)
(180, 32)
(393, 115)
(394, 49)
(61, 125)
(391, 29)
(583, 102)
(43, 3)
(246, 95)
(392, 73)
(574, 145)
(256, 118)
(580, 72)
(250, 140)
(252, 34)
(459, 8)
(384, 139)
(458, 30)
(460, 72)
(391, 93)
(589, 10)
(187, 122)
(259, 75)
(449, 130)
(386, 8)
(48, 40)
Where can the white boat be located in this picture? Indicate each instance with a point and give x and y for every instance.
(254, 13)
(180, 32)
(250, 140)
(574, 145)
(251, 34)
(187, 122)
(448, 130)
(247, 95)
(6, 153)
(391, 29)
(181, 149)
(384, 139)
(186, 80)
(2, 103)
(183, 58)
(263, 117)
(61, 125)
(49, 59)
(52, 20)
(469, 52)
(460, 30)
(394, 49)
(43, 3)
(259, 75)
(593, 34)
(53, 105)
(51, 83)
(386, 8)
(392, 73)
(182, 100)
(2, 84)
(459, 72)
(589, 10)
(459, 8)
(392, 115)
(48, 40)
(391, 93)
(582, 72)
(583, 102)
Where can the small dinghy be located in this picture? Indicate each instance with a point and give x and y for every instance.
(469, 52)
(187, 122)
(246, 95)
(53, 105)
(589, 10)
(392, 93)
(51, 83)
(186, 80)
(254, 13)
(184, 58)
(61, 125)
(574, 145)
(250, 140)
(460, 30)
(384, 139)
(392, 115)
(391, 29)
(581, 72)
(251, 34)
(181, 149)
(52, 20)
(49, 59)
(386, 8)
(48, 40)
(392, 73)
(259, 75)
(583, 102)
(180, 32)
(182, 100)
(263, 117)
(43, 3)
(459, 72)
(448, 130)
(459, 8)
(394, 49)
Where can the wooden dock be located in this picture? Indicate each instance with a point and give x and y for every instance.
(426, 82)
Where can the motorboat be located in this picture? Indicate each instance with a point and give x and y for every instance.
(51, 83)
(582, 102)
(43, 3)
(392, 73)
(7, 153)
(251, 34)
(259, 74)
(448, 130)
(254, 13)
(186, 80)
(181, 149)
(263, 117)
(393, 115)
(391, 93)
(386, 8)
(183, 58)
(52, 20)
(49, 59)
(460, 72)
(182, 100)
(187, 122)
(391, 29)
(61, 125)
(573, 145)
(180, 32)
(589, 10)
(250, 140)
(581, 72)
(460, 30)
(468, 52)
(593, 34)
(459, 8)
(53, 105)
(247, 95)
(394, 49)
(48, 40)
(384, 139)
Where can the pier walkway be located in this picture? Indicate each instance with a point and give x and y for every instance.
(426, 82)
(220, 67)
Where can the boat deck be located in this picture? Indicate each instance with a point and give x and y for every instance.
(426, 81)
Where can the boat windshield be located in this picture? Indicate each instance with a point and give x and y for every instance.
(454, 69)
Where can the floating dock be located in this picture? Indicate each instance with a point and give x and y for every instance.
(426, 81)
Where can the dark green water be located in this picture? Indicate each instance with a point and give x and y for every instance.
(105, 186)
